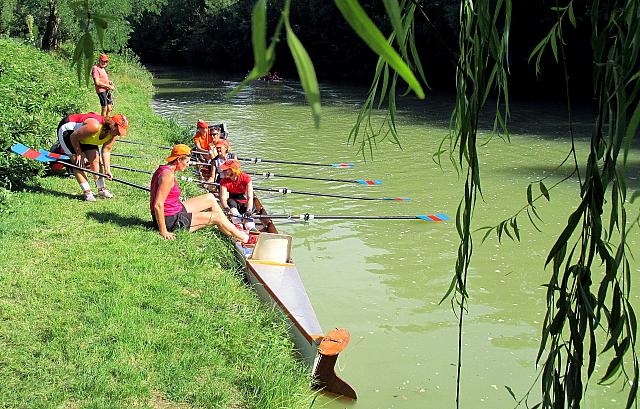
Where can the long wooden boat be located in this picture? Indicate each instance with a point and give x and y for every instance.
(275, 278)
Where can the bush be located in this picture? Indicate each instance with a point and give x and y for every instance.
(36, 91)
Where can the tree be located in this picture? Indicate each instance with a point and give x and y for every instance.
(579, 321)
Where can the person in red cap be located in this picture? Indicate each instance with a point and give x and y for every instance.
(170, 214)
(236, 192)
(205, 140)
(80, 136)
(103, 85)
(222, 149)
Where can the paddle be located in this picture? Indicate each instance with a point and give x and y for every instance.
(358, 181)
(27, 152)
(131, 169)
(144, 144)
(258, 160)
(332, 165)
(285, 190)
(438, 217)
(123, 155)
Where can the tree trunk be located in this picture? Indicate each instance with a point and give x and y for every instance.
(51, 40)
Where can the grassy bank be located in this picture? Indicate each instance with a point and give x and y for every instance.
(96, 310)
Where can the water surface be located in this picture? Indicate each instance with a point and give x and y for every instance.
(383, 280)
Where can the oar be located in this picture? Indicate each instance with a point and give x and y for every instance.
(284, 191)
(437, 217)
(122, 155)
(331, 165)
(144, 144)
(27, 152)
(258, 160)
(131, 169)
(358, 181)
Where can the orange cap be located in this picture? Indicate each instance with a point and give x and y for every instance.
(222, 142)
(103, 57)
(178, 151)
(202, 124)
(122, 122)
(230, 164)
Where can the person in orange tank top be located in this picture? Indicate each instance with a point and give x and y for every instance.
(236, 193)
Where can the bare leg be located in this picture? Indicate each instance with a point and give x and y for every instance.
(103, 111)
(215, 215)
(94, 161)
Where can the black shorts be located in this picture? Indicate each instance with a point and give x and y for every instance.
(239, 203)
(105, 98)
(67, 141)
(180, 220)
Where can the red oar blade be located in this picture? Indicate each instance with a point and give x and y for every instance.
(53, 155)
(438, 217)
(27, 152)
(369, 182)
(399, 199)
(342, 165)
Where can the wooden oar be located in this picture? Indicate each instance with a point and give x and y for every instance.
(284, 191)
(437, 217)
(27, 152)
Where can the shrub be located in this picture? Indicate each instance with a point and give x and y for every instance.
(36, 91)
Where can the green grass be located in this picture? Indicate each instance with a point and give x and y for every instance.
(96, 310)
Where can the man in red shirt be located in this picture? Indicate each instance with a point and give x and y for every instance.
(103, 85)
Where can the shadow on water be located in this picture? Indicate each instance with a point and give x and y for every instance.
(117, 219)
(543, 119)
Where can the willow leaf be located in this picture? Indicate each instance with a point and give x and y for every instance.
(259, 36)
(364, 27)
(394, 13)
(306, 72)
(544, 191)
(567, 232)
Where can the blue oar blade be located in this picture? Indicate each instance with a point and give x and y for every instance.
(398, 199)
(57, 156)
(369, 182)
(342, 165)
(27, 152)
(439, 217)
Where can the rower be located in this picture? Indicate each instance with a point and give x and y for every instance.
(223, 155)
(205, 140)
(170, 214)
(236, 194)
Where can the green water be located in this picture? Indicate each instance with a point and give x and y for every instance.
(383, 280)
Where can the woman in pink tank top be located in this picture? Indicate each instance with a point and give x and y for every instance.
(169, 214)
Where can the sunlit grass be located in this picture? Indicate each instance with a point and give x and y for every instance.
(96, 310)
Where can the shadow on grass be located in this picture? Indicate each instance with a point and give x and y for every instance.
(40, 189)
(123, 221)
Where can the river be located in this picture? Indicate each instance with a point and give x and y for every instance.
(383, 280)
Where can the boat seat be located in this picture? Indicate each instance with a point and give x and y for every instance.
(271, 247)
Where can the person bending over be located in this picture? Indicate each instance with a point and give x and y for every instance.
(80, 136)
(170, 214)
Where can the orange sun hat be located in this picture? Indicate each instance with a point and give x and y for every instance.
(202, 124)
(122, 122)
(230, 164)
(178, 151)
(103, 57)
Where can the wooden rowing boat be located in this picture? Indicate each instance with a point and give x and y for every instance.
(275, 278)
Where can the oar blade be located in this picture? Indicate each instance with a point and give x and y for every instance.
(397, 199)
(27, 152)
(57, 156)
(369, 182)
(438, 217)
(342, 165)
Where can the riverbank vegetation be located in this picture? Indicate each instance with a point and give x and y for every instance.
(96, 310)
